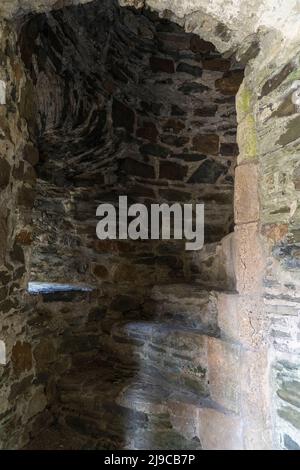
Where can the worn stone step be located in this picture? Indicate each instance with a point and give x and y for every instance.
(91, 405)
(213, 265)
(185, 306)
(217, 427)
(179, 355)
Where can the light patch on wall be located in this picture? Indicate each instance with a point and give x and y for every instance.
(2, 92)
(2, 353)
(51, 287)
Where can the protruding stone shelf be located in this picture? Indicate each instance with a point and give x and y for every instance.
(55, 292)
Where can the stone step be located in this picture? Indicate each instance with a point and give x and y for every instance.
(179, 355)
(213, 265)
(112, 410)
(185, 306)
(91, 405)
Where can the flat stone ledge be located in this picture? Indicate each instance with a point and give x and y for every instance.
(2, 353)
(55, 292)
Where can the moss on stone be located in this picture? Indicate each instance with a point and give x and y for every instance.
(247, 138)
(243, 100)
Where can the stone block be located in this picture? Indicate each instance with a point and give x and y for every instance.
(206, 143)
(247, 139)
(160, 64)
(2, 92)
(230, 149)
(216, 64)
(243, 102)
(198, 45)
(172, 171)
(224, 373)
(219, 431)
(4, 173)
(137, 168)
(148, 131)
(189, 69)
(2, 353)
(21, 357)
(37, 403)
(246, 201)
(230, 83)
(123, 116)
(208, 172)
(248, 259)
(255, 396)
(242, 319)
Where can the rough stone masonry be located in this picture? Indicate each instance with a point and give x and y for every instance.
(174, 101)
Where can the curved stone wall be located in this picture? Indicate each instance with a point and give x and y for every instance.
(258, 326)
(138, 108)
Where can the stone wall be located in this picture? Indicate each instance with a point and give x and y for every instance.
(159, 125)
(255, 353)
(22, 393)
(140, 108)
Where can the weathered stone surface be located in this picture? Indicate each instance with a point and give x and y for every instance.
(249, 264)
(123, 116)
(229, 149)
(199, 45)
(2, 353)
(4, 173)
(24, 237)
(189, 88)
(189, 69)
(223, 366)
(247, 139)
(155, 150)
(174, 140)
(206, 143)
(21, 357)
(37, 403)
(208, 172)
(137, 168)
(172, 171)
(31, 154)
(220, 431)
(159, 64)
(100, 271)
(230, 83)
(148, 131)
(173, 125)
(246, 201)
(86, 157)
(277, 79)
(206, 111)
(216, 64)
(44, 353)
(290, 444)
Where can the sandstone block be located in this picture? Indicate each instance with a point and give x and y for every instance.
(248, 259)
(247, 139)
(246, 201)
(219, 431)
(224, 373)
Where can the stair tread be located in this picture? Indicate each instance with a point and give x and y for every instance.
(147, 327)
(130, 390)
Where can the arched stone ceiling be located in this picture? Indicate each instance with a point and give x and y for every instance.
(227, 23)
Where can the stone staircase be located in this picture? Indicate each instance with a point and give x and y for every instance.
(164, 380)
(149, 387)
